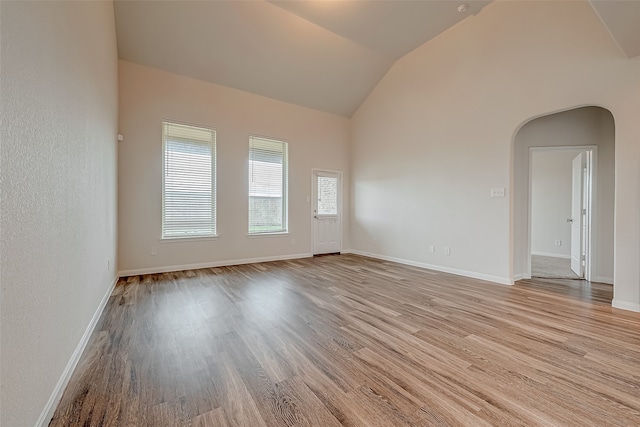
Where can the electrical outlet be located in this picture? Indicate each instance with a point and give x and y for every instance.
(293, 242)
(154, 250)
(447, 251)
(432, 248)
(558, 242)
(109, 264)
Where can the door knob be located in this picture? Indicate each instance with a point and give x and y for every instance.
(569, 219)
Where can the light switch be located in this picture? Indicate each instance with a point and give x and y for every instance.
(497, 192)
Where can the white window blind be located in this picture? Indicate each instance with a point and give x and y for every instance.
(189, 181)
(267, 186)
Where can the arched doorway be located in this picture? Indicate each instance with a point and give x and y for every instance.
(590, 128)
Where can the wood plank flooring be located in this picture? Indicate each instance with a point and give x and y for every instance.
(346, 340)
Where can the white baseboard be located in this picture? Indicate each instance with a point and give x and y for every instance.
(47, 413)
(603, 279)
(551, 255)
(465, 273)
(169, 268)
(625, 305)
(521, 276)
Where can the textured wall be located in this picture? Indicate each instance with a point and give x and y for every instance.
(147, 96)
(58, 206)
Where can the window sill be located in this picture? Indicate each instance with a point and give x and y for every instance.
(187, 239)
(275, 234)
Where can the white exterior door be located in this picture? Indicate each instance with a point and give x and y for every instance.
(577, 214)
(327, 212)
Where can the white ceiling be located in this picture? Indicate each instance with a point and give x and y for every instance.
(323, 54)
(326, 55)
(622, 19)
(390, 28)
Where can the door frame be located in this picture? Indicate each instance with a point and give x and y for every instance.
(313, 203)
(590, 194)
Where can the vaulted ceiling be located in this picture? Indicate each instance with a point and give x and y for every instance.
(326, 55)
(323, 54)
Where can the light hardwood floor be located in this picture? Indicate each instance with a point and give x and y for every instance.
(348, 340)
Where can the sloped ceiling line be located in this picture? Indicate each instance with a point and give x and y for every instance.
(622, 20)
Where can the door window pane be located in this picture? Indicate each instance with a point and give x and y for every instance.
(327, 195)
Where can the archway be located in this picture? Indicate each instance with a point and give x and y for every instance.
(579, 127)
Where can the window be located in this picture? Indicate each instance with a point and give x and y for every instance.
(327, 195)
(189, 181)
(267, 186)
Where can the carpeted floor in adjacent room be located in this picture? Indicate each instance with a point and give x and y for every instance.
(551, 268)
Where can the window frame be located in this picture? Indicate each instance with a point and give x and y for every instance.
(285, 188)
(214, 191)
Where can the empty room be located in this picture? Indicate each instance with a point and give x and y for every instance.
(319, 213)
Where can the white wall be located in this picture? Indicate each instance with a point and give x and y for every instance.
(551, 185)
(591, 126)
(438, 131)
(58, 86)
(147, 95)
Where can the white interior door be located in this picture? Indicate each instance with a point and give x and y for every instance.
(327, 212)
(577, 219)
